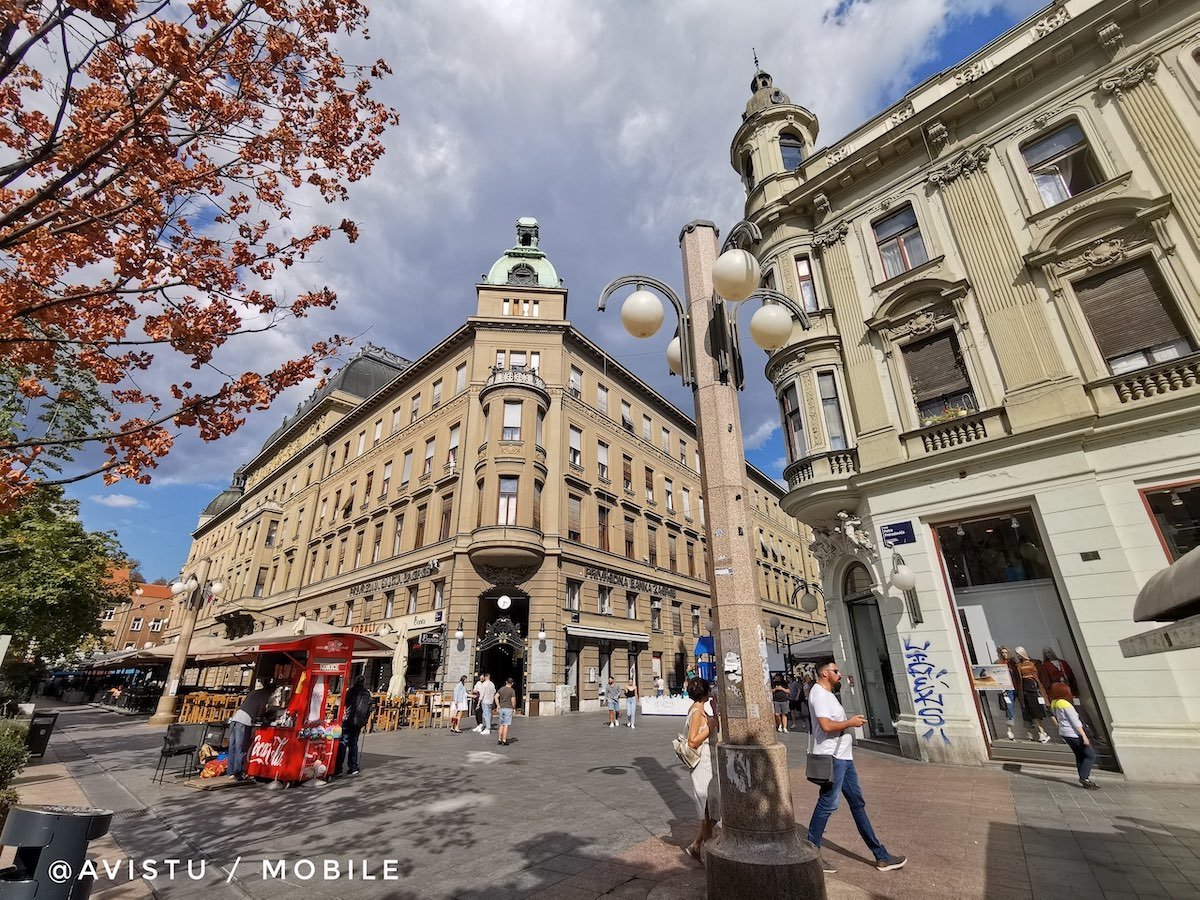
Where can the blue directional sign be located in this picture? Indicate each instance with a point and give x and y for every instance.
(898, 533)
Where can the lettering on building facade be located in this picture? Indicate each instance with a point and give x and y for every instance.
(630, 582)
(390, 581)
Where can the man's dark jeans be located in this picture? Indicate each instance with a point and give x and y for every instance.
(239, 740)
(348, 746)
(845, 781)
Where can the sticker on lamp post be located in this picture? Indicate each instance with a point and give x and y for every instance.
(731, 665)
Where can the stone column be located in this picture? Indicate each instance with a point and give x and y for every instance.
(759, 852)
(165, 713)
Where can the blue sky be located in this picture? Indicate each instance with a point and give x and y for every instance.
(602, 121)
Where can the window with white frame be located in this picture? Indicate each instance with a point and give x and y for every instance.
(647, 428)
(575, 447)
(439, 594)
(666, 440)
(941, 387)
(460, 378)
(516, 359)
(1061, 163)
(499, 359)
(626, 417)
(604, 600)
(539, 427)
(687, 502)
(109, 614)
(507, 509)
(506, 307)
(136, 624)
(412, 599)
(396, 413)
(602, 459)
(535, 360)
(405, 471)
(362, 443)
(512, 420)
(430, 450)
(1132, 316)
(574, 518)
(655, 615)
(452, 451)
(415, 410)
(437, 394)
(899, 240)
(574, 589)
(831, 410)
(669, 493)
(378, 434)
(804, 281)
(793, 423)
(156, 624)
(576, 383)
(602, 398)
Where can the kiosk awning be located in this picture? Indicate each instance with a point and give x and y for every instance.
(813, 649)
(607, 634)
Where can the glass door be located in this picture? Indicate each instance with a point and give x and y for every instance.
(870, 650)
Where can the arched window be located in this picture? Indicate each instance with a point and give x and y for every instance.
(748, 171)
(857, 581)
(792, 150)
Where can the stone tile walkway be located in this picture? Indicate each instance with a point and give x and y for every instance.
(577, 810)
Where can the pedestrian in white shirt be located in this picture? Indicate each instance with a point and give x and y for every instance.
(830, 738)
(486, 692)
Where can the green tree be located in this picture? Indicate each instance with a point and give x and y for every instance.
(54, 576)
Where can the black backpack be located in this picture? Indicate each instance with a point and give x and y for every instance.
(358, 706)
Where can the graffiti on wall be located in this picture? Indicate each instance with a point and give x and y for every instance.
(928, 682)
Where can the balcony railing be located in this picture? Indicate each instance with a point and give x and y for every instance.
(1164, 378)
(522, 375)
(833, 465)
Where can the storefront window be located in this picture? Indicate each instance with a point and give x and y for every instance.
(1176, 514)
(993, 551)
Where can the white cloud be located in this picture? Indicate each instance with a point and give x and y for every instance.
(116, 501)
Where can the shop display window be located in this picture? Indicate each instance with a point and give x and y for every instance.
(993, 551)
(1176, 514)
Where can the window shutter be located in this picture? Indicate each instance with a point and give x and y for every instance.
(573, 514)
(1128, 309)
(934, 367)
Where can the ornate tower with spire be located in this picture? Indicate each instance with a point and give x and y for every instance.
(774, 139)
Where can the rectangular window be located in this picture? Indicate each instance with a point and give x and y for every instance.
(539, 428)
(358, 547)
(631, 604)
(367, 490)
(272, 531)
(669, 494)
(649, 485)
(691, 559)
(396, 413)
(109, 614)
(389, 604)
(695, 621)
(436, 401)
(602, 527)
(362, 443)
(682, 452)
(378, 432)
(516, 359)
(1176, 515)
(499, 359)
(341, 558)
(386, 484)
(406, 468)
(576, 383)
(349, 614)
(834, 427)
(506, 306)
(1132, 317)
(808, 293)
(676, 617)
(452, 452)
(626, 417)
(627, 473)
(666, 440)
(512, 420)
(574, 517)
(412, 599)
(460, 378)
(415, 411)
(647, 428)
(602, 460)
(430, 449)
(940, 386)
(419, 538)
(348, 506)
(346, 453)
(687, 502)
(629, 546)
(574, 589)
(793, 424)
(377, 543)
(447, 515)
(1062, 164)
(655, 615)
(398, 535)
(156, 625)
(604, 600)
(901, 246)
(602, 398)
(574, 449)
(507, 512)
(439, 594)
(652, 545)
(136, 624)
(672, 553)
(535, 361)
(537, 505)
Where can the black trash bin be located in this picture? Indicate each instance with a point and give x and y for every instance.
(40, 729)
(51, 844)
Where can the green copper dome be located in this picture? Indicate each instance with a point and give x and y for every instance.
(524, 264)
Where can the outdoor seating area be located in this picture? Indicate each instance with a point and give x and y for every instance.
(203, 706)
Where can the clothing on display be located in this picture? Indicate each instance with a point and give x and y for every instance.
(1033, 697)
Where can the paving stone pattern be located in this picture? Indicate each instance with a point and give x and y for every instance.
(577, 810)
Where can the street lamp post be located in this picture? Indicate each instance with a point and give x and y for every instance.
(195, 587)
(759, 852)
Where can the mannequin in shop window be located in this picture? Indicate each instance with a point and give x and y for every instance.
(1057, 671)
(1033, 696)
(1008, 699)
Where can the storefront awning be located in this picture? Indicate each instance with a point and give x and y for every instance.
(607, 634)
(812, 650)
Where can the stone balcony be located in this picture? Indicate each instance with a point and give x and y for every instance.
(506, 553)
(1165, 381)
(941, 437)
(515, 376)
(821, 484)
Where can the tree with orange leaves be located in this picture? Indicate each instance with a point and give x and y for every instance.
(150, 157)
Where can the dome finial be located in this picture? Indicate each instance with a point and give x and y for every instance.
(756, 65)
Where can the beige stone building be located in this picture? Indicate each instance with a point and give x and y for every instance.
(1001, 380)
(513, 481)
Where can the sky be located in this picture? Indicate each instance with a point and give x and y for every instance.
(610, 124)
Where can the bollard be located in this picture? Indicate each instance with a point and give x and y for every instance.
(51, 844)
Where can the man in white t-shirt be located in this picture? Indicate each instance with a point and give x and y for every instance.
(832, 737)
(486, 692)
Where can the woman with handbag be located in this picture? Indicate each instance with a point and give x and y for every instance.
(702, 736)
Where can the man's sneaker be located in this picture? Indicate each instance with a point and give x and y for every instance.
(1045, 738)
(355, 772)
(486, 731)
(892, 862)
(631, 725)
(827, 867)
(612, 724)
(477, 728)
(1089, 784)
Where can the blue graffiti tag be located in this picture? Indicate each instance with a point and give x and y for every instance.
(926, 679)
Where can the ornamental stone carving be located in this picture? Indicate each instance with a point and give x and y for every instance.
(513, 575)
(1111, 37)
(1104, 253)
(973, 72)
(965, 164)
(842, 538)
(1130, 77)
(785, 372)
(1107, 250)
(939, 135)
(1046, 25)
(923, 323)
(835, 235)
(837, 154)
(903, 113)
(821, 204)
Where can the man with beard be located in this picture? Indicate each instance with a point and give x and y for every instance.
(829, 727)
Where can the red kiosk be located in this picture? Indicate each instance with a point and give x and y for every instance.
(310, 664)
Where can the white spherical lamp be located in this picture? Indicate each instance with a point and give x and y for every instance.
(178, 588)
(808, 602)
(458, 634)
(675, 356)
(736, 275)
(642, 314)
(216, 588)
(542, 635)
(771, 326)
(904, 578)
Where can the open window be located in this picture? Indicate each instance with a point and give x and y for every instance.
(791, 148)
(1062, 164)
(901, 246)
(937, 375)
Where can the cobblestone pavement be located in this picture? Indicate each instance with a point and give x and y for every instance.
(577, 810)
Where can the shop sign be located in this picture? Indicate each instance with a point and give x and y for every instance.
(330, 667)
(641, 585)
(430, 637)
(387, 582)
(898, 533)
(268, 752)
(991, 678)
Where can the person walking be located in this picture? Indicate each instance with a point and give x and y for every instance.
(359, 704)
(779, 702)
(631, 698)
(829, 726)
(486, 692)
(612, 696)
(459, 704)
(701, 731)
(1070, 729)
(795, 688)
(240, 725)
(506, 700)
(658, 685)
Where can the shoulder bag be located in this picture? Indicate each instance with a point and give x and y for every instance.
(818, 767)
(688, 755)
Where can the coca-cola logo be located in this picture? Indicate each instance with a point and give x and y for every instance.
(268, 752)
